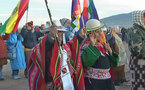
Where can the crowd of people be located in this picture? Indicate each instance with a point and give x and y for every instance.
(55, 58)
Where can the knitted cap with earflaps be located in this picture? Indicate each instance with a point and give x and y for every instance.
(30, 24)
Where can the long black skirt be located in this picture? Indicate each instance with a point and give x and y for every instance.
(95, 84)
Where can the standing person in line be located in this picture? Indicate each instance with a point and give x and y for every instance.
(30, 40)
(124, 34)
(119, 71)
(97, 58)
(15, 41)
(3, 53)
(111, 40)
(137, 49)
(42, 27)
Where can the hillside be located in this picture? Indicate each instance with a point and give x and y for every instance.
(124, 20)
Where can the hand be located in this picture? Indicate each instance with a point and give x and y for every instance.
(93, 38)
(53, 32)
(83, 31)
(108, 48)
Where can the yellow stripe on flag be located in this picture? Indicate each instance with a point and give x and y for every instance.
(13, 19)
(103, 38)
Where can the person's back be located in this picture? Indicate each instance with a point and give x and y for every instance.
(137, 41)
(137, 49)
(17, 60)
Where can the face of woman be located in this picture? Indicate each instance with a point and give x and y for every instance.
(29, 28)
(98, 34)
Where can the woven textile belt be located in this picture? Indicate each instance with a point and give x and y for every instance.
(97, 73)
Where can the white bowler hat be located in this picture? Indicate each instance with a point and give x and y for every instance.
(59, 26)
(93, 24)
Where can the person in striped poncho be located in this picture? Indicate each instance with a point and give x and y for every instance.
(54, 68)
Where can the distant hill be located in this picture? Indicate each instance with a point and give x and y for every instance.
(124, 20)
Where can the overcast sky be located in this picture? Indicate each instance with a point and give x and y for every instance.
(62, 8)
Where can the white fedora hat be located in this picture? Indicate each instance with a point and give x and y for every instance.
(93, 24)
(59, 26)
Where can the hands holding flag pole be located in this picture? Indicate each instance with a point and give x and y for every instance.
(53, 27)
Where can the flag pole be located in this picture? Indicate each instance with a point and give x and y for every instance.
(82, 21)
(49, 13)
(27, 16)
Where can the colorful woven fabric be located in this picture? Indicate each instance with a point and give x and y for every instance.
(97, 73)
(36, 67)
(55, 66)
(137, 67)
(77, 64)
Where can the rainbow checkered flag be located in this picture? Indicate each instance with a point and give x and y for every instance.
(89, 12)
(75, 15)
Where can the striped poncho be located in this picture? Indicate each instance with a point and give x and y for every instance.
(36, 67)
